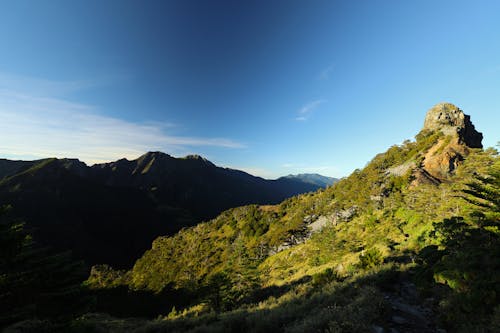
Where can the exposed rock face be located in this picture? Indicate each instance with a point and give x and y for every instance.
(450, 120)
(460, 135)
(312, 224)
(444, 157)
(400, 170)
(422, 176)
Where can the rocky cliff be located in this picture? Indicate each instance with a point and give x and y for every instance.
(459, 135)
(450, 120)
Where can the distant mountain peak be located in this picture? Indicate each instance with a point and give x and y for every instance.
(195, 157)
(154, 154)
(312, 178)
(145, 162)
(111, 212)
(305, 175)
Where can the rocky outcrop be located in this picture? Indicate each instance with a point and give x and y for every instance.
(401, 169)
(312, 224)
(442, 159)
(459, 136)
(421, 176)
(450, 120)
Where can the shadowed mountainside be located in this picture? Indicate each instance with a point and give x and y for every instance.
(110, 213)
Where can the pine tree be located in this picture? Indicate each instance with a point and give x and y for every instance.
(484, 193)
(469, 263)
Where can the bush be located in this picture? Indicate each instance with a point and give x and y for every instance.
(327, 276)
(371, 258)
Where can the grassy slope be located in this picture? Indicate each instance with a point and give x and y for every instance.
(293, 290)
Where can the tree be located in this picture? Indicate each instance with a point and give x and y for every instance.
(35, 283)
(484, 193)
(469, 260)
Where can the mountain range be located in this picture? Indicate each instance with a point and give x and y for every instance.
(110, 213)
(409, 243)
(313, 178)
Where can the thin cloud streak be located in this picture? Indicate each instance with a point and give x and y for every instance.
(42, 87)
(306, 111)
(51, 127)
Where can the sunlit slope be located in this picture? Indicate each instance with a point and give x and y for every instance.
(422, 215)
(389, 206)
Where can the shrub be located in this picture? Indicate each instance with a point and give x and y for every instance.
(371, 258)
(327, 276)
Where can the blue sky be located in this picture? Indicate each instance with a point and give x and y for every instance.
(270, 87)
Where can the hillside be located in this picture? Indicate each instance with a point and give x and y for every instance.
(110, 213)
(409, 243)
(340, 258)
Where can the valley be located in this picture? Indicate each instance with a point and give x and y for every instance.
(110, 213)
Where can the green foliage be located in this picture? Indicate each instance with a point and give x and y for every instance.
(468, 263)
(325, 277)
(104, 276)
(370, 258)
(484, 192)
(426, 139)
(351, 307)
(254, 222)
(33, 281)
(219, 291)
(189, 258)
(257, 268)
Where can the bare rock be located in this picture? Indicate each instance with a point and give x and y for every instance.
(320, 223)
(445, 156)
(401, 169)
(421, 176)
(346, 215)
(450, 120)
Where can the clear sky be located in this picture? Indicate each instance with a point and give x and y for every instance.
(270, 87)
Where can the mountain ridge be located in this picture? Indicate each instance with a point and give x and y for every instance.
(313, 178)
(374, 220)
(140, 199)
(380, 250)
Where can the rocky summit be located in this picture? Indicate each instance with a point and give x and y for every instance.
(450, 120)
(458, 136)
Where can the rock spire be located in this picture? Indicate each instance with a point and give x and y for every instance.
(450, 120)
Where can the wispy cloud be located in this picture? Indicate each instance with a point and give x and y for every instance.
(326, 73)
(42, 87)
(305, 112)
(53, 127)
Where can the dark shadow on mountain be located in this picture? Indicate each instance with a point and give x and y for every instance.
(110, 213)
